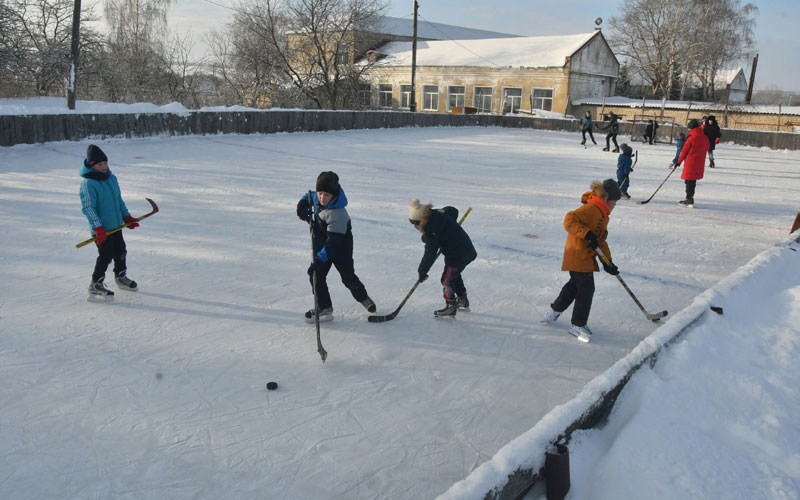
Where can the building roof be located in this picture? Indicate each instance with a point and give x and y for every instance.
(399, 26)
(526, 52)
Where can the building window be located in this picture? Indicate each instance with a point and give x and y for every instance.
(343, 55)
(542, 99)
(364, 95)
(430, 97)
(483, 99)
(455, 97)
(385, 95)
(405, 96)
(512, 99)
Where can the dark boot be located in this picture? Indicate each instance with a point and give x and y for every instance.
(449, 310)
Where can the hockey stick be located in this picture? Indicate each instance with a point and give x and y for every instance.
(659, 186)
(321, 350)
(651, 317)
(120, 228)
(393, 314)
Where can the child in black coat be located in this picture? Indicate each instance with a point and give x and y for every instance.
(333, 244)
(441, 232)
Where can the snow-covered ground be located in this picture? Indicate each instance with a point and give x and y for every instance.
(161, 394)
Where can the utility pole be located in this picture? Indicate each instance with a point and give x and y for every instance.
(413, 103)
(750, 83)
(76, 26)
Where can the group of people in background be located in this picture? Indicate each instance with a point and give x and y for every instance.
(691, 150)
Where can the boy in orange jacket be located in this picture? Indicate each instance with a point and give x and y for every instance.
(586, 231)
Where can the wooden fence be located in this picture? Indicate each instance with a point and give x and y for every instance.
(32, 129)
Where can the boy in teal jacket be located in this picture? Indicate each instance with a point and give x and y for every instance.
(101, 203)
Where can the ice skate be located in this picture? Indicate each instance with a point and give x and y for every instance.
(550, 316)
(626, 195)
(125, 283)
(99, 293)
(606, 148)
(325, 315)
(582, 332)
(462, 303)
(369, 305)
(448, 311)
(688, 203)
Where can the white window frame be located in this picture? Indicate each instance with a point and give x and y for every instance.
(405, 96)
(460, 97)
(544, 100)
(385, 95)
(516, 101)
(479, 102)
(430, 99)
(365, 95)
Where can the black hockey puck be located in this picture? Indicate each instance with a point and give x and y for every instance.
(271, 386)
(716, 309)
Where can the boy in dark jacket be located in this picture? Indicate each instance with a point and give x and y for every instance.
(101, 203)
(624, 169)
(441, 231)
(613, 130)
(650, 131)
(586, 127)
(333, 244)
(714, 134)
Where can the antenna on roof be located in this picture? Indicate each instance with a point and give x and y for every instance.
(598, 22)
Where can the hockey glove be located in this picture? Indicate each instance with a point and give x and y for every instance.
(591, 240)
(610, 268)
(100, 235)
(304, 210)
(422, 277)
(322, 255)
(134, 222)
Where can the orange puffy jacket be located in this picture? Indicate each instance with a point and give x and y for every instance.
(694, 153)
(591, 216)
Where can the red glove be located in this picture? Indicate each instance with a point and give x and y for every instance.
(716, 141)
(134, 222)
(100, 235)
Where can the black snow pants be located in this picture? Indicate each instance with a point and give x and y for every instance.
(349, 279)
(580, 289)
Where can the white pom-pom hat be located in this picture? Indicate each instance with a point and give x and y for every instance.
(416, 210)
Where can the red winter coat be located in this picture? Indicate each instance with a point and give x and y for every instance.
(694, 152)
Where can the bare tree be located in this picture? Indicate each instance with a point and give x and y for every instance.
(726, 37)
(671, 43)
(35, 37)
(649, 34)
(136, 47)
(317, 46)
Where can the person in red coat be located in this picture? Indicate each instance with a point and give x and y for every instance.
(694, 153)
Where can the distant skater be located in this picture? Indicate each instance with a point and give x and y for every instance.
(586, 127)
(613, 129)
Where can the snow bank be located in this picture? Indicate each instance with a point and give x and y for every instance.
(528, 450)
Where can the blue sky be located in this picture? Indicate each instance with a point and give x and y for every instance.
(776, 25)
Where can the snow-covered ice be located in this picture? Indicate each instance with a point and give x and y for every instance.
(162, 393)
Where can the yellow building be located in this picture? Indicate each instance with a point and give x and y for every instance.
(497, 75)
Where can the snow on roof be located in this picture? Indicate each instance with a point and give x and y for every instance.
(436, 31)
(528, 52)
(707, 106)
